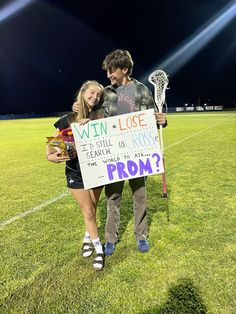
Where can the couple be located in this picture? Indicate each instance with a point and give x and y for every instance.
(124, 95)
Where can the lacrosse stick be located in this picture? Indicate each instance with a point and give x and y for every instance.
(160, 81)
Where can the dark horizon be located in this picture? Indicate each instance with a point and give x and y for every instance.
(49, 48)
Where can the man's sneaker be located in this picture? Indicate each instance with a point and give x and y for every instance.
(143, 246)
(109, 248)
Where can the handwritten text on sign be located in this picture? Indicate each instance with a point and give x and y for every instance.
(118, 148)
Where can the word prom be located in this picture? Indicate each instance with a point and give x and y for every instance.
(131, 168)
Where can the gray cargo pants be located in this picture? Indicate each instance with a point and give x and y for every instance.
(113, 193)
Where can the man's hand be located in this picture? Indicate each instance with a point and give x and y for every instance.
(56, 157)
(160, 118)
(75, 107)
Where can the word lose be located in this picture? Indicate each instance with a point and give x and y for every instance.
(132, 121)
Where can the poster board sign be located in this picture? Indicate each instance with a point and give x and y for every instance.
(118, 148)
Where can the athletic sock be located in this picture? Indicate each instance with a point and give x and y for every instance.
(86, 237)
(88, 249)
(97, 245)
(98, 248)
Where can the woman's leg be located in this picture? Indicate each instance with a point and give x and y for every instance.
(83, 198)
(87, 248)
(95, 194)
(85, 202)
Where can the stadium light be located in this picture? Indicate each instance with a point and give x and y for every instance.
(191, 46)
(13, 8)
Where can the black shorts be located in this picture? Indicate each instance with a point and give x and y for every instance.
(74, 176)
(74, 179)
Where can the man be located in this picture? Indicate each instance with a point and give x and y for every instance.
(125, 95)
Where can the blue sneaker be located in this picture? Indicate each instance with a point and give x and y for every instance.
(109, 248)
(143, 246)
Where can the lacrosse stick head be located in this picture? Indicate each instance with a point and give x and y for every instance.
(160, 81)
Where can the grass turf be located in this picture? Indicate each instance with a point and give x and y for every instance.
(191, 264)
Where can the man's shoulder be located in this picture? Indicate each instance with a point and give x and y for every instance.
(109, 88)
(139, 84)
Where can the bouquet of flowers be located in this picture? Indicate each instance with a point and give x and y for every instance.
(63, 142)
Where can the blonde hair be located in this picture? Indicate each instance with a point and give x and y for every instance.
(84, 110)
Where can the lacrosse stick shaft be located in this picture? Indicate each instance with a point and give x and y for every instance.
(164, 186)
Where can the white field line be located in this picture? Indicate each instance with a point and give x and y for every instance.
(194, 134)
(57, 198)
(33, 210)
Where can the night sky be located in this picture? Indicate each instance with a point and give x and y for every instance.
(49, 48)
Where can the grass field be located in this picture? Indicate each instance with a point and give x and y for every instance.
(191, 264)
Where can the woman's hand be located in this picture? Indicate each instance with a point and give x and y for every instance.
(56, 157)
(83, 121)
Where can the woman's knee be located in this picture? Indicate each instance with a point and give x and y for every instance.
(89, 213)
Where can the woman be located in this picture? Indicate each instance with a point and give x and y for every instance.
(88, 102)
